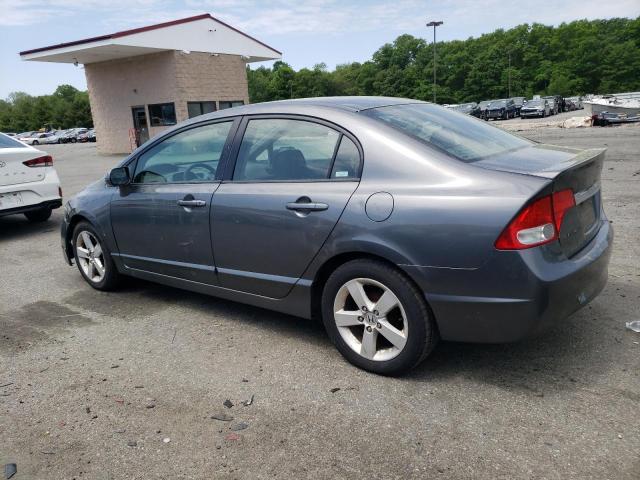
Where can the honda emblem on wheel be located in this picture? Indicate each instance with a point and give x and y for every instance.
(3, 164)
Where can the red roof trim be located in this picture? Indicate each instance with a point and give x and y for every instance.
(133, 31)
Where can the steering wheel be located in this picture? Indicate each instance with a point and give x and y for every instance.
(190, 175)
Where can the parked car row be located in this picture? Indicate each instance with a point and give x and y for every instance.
(505, 108)
(71, 135)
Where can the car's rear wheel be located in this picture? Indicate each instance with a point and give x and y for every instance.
(41, 215)
(93, 258)
(377, 318)
(35, 142)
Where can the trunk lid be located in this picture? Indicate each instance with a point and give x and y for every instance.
(579, 170)
(13, 171)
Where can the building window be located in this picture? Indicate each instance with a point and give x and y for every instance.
(200, 108)
(162, 114)
(231, 104)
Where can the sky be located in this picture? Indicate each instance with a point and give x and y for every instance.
(306, 31)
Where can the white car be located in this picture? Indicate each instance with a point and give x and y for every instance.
(38, 138)
(28, 182)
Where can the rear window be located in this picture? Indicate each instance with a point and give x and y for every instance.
(458, 135)
(8, 142)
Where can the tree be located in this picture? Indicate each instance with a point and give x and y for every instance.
(599, 56)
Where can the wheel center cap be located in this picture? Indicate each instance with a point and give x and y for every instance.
(370, 318)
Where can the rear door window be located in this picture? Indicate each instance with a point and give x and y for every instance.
(278, 149)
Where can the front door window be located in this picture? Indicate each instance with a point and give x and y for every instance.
(191, 156)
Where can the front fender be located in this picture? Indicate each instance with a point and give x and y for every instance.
(91, 205)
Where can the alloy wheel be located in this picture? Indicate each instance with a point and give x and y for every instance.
(90, 256)
(370, 319)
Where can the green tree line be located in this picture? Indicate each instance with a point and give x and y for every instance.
(67, 107)
(599, 56)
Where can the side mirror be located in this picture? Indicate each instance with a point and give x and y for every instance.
(119, 176)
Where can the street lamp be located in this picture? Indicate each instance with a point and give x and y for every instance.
(434, 25)
(509, 74)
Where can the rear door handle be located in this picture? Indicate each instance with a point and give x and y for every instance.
(192, 203)
(307, 206)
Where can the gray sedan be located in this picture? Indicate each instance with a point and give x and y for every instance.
(397, 222)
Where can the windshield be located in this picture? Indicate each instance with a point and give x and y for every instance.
(498, 103)
(534, 103)
(460, 136)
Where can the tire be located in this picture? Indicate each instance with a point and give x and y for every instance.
(35, 142)
(74, 140)
(41, 215)
(409, 323)
(83, 253)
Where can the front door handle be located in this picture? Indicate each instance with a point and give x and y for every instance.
(192, 203)
(301, 206)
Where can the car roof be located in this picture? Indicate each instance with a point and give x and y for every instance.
(351, 104)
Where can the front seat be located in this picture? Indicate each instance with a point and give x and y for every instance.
(289, 164)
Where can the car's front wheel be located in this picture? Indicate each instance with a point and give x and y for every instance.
(93, 258)
(377, 318)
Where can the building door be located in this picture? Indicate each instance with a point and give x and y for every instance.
(140, 124)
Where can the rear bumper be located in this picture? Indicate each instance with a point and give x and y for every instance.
(515, 294)
(531, 114)
(52, 204)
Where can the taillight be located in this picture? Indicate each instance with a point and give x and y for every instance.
(45, 161)
(537, 223)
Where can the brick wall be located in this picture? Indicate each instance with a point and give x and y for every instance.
(204, 77)
(117, 85)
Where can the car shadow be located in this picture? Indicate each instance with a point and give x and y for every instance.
(560, 359)
(15, 227)
(153, 297)
(563, 358)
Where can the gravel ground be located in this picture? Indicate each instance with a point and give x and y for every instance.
(93, 384)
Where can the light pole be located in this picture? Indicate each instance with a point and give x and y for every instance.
(509, 74)
(434, 25)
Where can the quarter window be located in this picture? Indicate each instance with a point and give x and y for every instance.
(200, 108)
(347, 162)
(162, 114)
(283, 150)
(191, 156)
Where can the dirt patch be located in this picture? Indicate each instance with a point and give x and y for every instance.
(36, 322)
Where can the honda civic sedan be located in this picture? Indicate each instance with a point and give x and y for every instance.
(397, 222)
